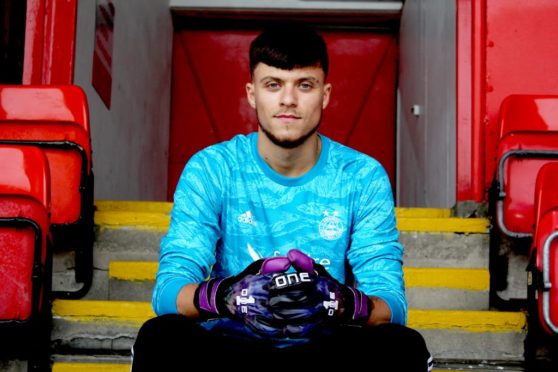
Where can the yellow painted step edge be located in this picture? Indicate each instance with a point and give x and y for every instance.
(132, 206)
(467, 320)
(90, 367)
(422, 212)
(133, 270)
(135, 313)
(105, 367)
(454, 278)
(155, 216)
(450, 224)
(165, 207)
(147, 221)
(155, 221)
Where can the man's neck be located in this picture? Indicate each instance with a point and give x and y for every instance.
(290, 162)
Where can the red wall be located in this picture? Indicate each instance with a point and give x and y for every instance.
(50, 42)
(504, 47)
(210, 70)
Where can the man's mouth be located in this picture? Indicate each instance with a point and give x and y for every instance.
(287, 116)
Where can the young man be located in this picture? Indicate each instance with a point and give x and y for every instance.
(266, 231)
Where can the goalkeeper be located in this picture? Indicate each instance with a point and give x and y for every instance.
(282, 251)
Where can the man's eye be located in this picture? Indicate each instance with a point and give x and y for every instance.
(272, 85)
(306, 86)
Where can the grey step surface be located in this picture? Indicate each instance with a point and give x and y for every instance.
(132, 232)
(81, 363)
(420, 298)
(426, 288)
(468, 335)
(421, 250)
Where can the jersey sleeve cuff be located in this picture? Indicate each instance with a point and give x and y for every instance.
(166, 300)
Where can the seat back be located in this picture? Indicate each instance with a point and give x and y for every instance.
(544, 248)
(528, 113)
(55, 118)
(546, 190)
(24, 230)
(528, 130)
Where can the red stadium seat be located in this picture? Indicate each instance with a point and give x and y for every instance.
(25, 255)
(544, 249)
(528, 139)
(24, 229)
(55, 118)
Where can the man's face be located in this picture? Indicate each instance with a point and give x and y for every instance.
(288, 103)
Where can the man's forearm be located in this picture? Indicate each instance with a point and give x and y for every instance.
(185, 301)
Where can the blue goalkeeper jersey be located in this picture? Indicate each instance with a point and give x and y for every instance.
(231, 208)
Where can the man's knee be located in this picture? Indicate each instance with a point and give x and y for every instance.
(410, 343)
(159, 343)
(395, 346)
(162, 322)
(407, 338)
(160, 330)
(402, 333)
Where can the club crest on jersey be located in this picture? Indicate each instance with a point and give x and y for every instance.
(331, 227)
(247, 218)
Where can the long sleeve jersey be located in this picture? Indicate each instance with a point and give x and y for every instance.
(231, 208)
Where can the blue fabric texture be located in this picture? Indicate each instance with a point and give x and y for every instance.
(231, 208)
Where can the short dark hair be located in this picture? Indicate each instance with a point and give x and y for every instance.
(289, 46)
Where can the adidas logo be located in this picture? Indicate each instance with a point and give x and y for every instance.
(247, 218)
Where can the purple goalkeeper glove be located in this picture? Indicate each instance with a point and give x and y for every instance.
(312, 297)
(243, 297)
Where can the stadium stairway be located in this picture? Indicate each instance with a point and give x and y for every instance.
(446, 277)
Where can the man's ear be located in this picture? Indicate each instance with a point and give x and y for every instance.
(327, 93)
(250, 94)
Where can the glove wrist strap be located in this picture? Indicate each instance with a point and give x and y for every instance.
(205, 298)
(362, 306)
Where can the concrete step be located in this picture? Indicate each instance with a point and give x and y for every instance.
(13, 365)
(96, 363)
(115, 363)
(426, 288)
(155, 216)
(112, 326)
(445, 260)
(90, 367)
(91, 363)
(445, 263)
(121, 367)
(132, 231)
(121, 363)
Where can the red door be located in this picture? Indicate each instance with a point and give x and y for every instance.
(210, 70)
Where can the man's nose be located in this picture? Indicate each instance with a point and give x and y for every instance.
(289, 96)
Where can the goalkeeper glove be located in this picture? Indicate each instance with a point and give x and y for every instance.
(243, 297)
(325, 297)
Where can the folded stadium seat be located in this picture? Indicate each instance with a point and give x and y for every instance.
(25, 256)
(55, 118)
(528, 139)
(544, 249)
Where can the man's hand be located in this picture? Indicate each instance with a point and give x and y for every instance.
(244, 297)
(296, 304)
(312, 296)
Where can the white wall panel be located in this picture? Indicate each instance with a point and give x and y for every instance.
(376, 6)
(426, 142)
(130, 141)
